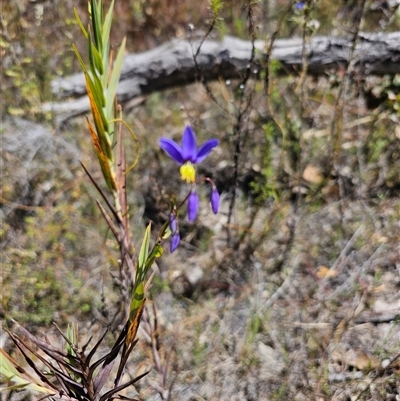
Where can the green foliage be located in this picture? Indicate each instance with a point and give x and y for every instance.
(200, 347)
(29, 53)
(41, 267)
(101, 82)
(216, 7)
(280, 393)
(13, 373)
(268, 187)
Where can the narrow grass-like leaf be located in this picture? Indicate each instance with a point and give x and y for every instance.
(20, 345)
(98, 61)
(109, 360)
(107, 395)
(100, 93)
(136, 310)
(104, 164)
(78, 56)
(103, 195)
(55, 354)
(95, 101)
(97, 92)
(68, 385)
(104, 372)
(90, 53)
(79, 21)
(96, 24)
(98, 88)
(11, 371)
(109, 221)
(137, 306)
(165, 231)
(156, 252)
(137, 300)
(7, 365)
(106, 42)
(126, 351)
(71, 338)
(94, 349)
(144, 252)
(115, 76)
(98, 116)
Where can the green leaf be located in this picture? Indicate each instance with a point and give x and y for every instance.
(100, 93)
(78, 56)
(167, 233)
(98, 116)
(96, 24)
(106, 46)
(106, 42)
(79, 21)
(107, 26)
(72, 337)
(90, 54)
(115, 75)
(98, 62)
(156, 252)
(98, 98)
(9, 371)
(100, 9)
(104, 162)
(136, 309)
(137, 299)
(143, 254)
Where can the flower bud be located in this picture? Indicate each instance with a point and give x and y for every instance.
(214, 199)
(172, 223)
(176, 238)
(193, 206)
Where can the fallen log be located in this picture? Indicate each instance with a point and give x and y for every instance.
(172, 64)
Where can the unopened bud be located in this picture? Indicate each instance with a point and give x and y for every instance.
(193, 206)
(176, 238)
(214, 199)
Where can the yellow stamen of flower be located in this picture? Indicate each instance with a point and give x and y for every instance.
(188, 173)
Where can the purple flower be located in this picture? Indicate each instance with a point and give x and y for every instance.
(193, 205)
(214, 199)
(176, 238)
(172, 223)
(188, 154)
(300, 5)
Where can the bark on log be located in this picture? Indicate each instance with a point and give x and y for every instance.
(172, 64)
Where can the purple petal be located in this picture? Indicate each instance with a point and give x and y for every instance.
(189, 144)
(172, 223)
(173, 149)
(176, 238)
(214, 199)
(205, 149)
(193, 206)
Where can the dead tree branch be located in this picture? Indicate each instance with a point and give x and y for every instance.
(172, 65)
